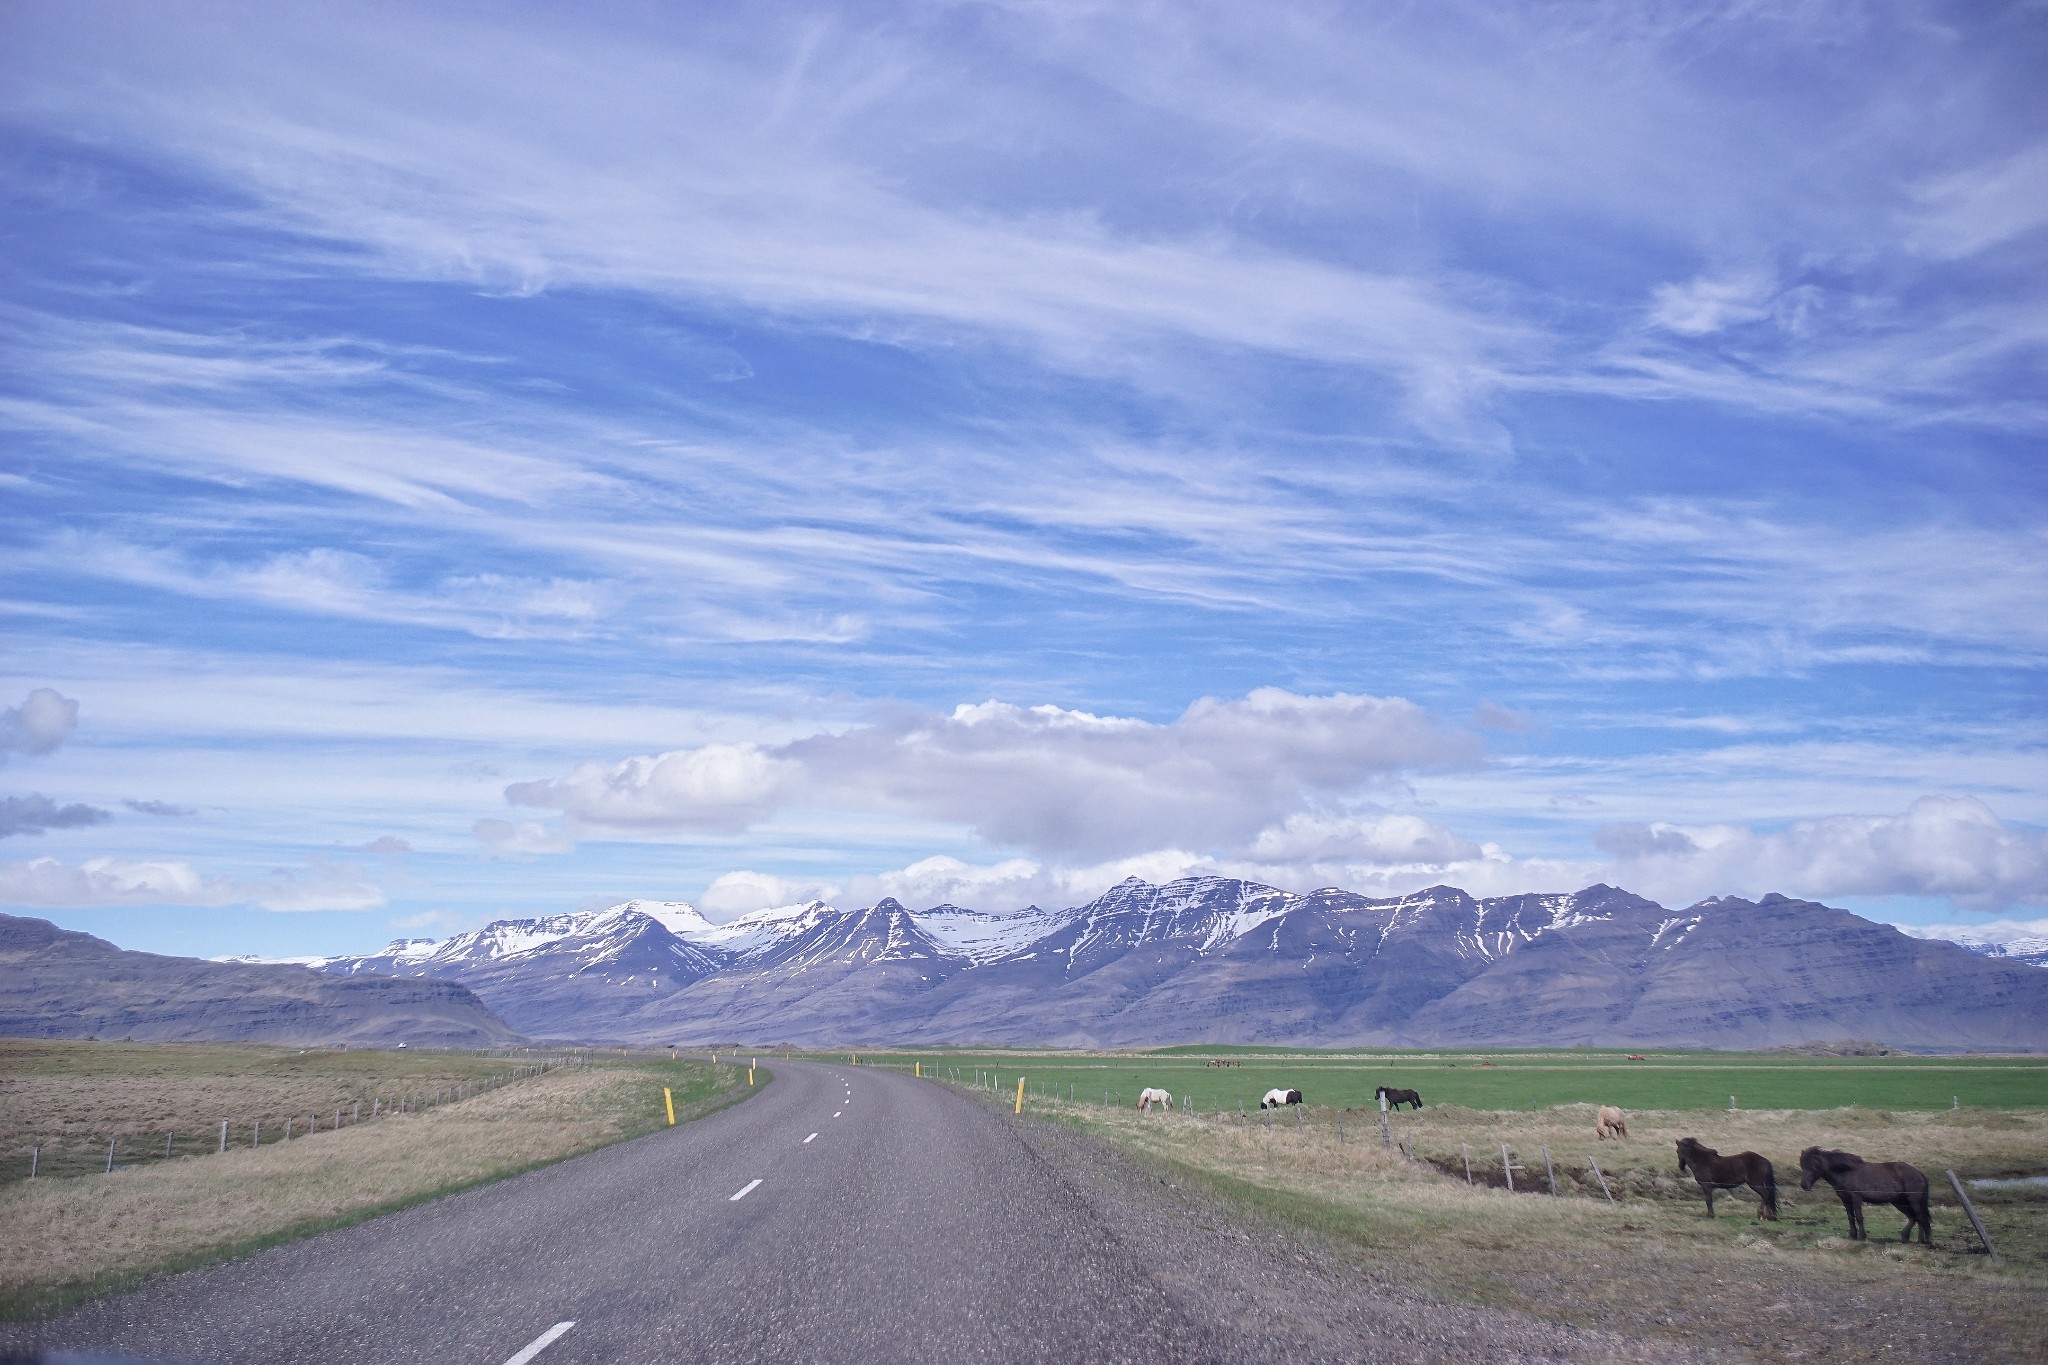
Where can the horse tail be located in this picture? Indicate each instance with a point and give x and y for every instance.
(1771, 1188)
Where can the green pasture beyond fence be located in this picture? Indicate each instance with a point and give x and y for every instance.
(1670, 1081)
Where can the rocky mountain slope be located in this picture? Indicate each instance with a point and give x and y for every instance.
(2032, 950)
(1221, 960)
(58, 984)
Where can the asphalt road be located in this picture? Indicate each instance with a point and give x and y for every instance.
(914, 1225)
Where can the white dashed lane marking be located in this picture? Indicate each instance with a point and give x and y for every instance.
(540, 1343)
(809, 1140)
(745, 1190)
(840, 1112)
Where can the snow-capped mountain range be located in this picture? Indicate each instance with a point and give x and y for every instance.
(1219, 959)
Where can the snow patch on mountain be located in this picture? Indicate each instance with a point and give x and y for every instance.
(982, 936)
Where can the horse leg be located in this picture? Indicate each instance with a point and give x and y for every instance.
(1857, 1233)
(1906, 1204)
(1710, 1199)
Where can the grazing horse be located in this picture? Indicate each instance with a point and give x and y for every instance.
(1861, 1182)
(1610, 1124)
(1149, 1097)
(1717, 1172)
(1396, 1098)
(1276, 1099)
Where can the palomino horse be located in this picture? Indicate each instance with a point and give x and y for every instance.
(1717, 1172)
(1149, 1097)
(1277, 1099)
(1861, 1182)
(1396, 1098)
(1610, 1123)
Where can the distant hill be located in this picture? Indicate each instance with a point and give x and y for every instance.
(1213, 959)
(55, 983)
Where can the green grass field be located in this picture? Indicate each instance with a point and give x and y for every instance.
(1506, 1080)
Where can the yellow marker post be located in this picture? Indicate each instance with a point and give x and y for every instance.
(750, 1075)
(918, 1068)
(669, 1100)
(1020, 1094)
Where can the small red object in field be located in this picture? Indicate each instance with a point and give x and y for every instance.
(1637, 1057)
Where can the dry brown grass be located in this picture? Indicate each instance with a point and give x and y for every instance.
(1654, 1266)
(70, 1097)
(68, 1236)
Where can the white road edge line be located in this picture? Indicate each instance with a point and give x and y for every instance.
(745, 1190)
(540, 1343)
(809, 1140)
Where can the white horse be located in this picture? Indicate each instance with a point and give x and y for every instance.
(1149, 1097)
(1280, 1099)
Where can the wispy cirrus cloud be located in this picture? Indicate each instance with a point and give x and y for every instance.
(742, 391)
(49, 882)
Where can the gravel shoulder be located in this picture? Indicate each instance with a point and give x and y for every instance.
(1262, 1285)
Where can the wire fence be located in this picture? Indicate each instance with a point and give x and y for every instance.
(62, 1155)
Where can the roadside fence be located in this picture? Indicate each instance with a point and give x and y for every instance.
(68, 1155)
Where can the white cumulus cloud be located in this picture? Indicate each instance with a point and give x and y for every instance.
(717, 788)
(1054, 782)
(1954, 847)
(43, 721)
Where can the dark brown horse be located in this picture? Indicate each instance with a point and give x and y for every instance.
(1396, 1098)
(1861, 1182)
(1717, 1172)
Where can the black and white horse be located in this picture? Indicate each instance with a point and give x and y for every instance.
(1280, 1099)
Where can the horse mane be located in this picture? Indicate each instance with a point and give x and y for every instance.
(1835, 1160)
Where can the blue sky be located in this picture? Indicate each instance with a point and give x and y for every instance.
(471, 460)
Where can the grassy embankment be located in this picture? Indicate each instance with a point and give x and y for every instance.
(74, 1235)
(1653, 1265)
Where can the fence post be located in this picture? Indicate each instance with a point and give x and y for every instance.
(1601, 1178)
(1731, 1104)
(1507, 1167)
(1975, 1221)
(288, 1126)
(110, 1156)
(167, 1144)
(1549, 1173)
(1468, 1162)
(35, 1159)
(1386, 1131)
(256, 1134)
(223, 1135)
(1408, 1145)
